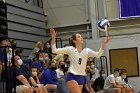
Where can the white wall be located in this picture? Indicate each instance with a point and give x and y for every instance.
(63, 12)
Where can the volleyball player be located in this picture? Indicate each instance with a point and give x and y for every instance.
(78, 59)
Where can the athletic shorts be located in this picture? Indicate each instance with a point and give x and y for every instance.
(20, 88)
(78, 78)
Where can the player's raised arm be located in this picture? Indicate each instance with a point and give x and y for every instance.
(53, 35)
(55, 50)
(106, 41)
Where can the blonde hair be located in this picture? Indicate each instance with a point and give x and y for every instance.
(38, 43)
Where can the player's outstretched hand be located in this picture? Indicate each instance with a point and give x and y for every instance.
(53, 32)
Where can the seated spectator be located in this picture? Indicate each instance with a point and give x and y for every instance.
(19, 52)
(62, 86)
(62, 58)
(99, 82)
(49, 78)
(47, 49)
(94, 71)
(87, 85)
(59, 71)
(38, 47)
(35, 77)
(3, 56)
(39, 62)
(122, 80)
(24, 81)
(5, 61)
(110, 82)
(34, 74)
(46, 59)
(14, 43)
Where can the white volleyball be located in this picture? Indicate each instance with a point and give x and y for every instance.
(102, 23)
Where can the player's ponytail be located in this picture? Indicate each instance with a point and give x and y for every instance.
(72, 39)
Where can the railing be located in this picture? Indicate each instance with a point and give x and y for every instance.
(101, 63)
(58, 42)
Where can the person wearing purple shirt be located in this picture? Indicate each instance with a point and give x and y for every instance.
(49, 78)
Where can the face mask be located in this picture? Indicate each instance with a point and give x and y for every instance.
(103, 75)
(20, 62)
(62, 66)
(46, 58)
(48, 46)
(123, 76)
(53, 68)
(14, 46)
(41, 59)
(34, 73)
(92, 66)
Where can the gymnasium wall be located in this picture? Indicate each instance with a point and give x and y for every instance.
(26, 24)
(110, 9)
(64, 12)
(68, 17)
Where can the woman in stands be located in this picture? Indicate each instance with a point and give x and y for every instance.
(78, 59)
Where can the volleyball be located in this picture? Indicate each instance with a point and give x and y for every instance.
(102, 23)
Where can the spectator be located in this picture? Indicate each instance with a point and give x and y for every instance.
(58, 58)
(62, 58)
(47, 49)
(34, 74)
(46, 59)
(99, 82)
(62, 87)
(6, 55)
(122, 80)
(110, 82)
(19, 52)
(59, 71)
(9, 54)
(49, 78)
(94, 72)
(24, 80)
(39, 62)
(35, 77)
(38, 46)
(87, 85)
(14, 44)
(3, 55)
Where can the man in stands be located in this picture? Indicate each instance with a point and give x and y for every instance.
(110, 82)
(24, 81)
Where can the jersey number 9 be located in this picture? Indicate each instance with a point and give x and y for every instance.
(80, 61)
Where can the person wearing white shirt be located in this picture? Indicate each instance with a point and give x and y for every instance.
(59, 71)
(121, 80)
(78, 57)
(110, 82)
(96, 73)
